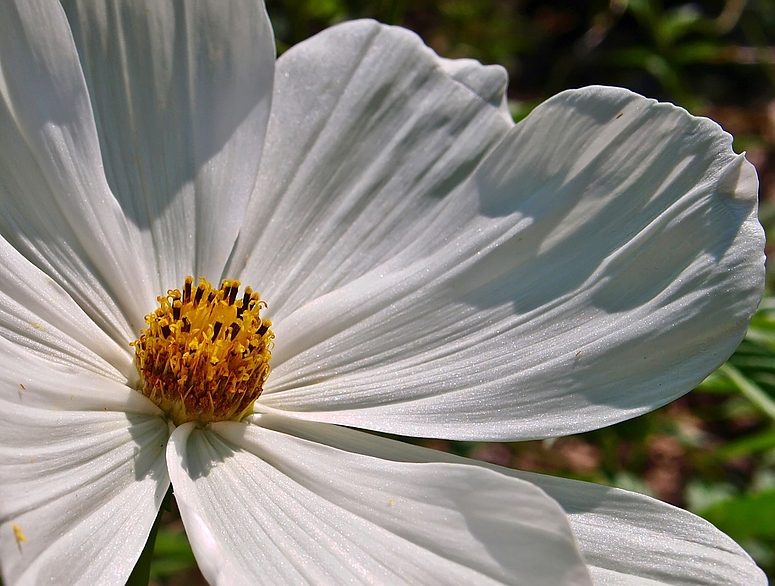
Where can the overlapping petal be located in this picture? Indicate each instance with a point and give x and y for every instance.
(38, 315)
(431, 269)
(62, 385)
(181, 93)
(626, 538)
(369, 131)
(55, 204)
(629, 539)
(601, 260)
(82, 470)
(262, 506)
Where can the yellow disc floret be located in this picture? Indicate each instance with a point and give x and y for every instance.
(205, 354)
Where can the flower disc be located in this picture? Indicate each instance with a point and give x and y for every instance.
(205, 354)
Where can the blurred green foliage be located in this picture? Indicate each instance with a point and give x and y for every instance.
(712, 451)
(172, 555)
(691, 53)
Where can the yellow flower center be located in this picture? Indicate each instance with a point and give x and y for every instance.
(205, 354)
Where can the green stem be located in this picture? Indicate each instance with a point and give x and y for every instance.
(141, 574)
(750, 390)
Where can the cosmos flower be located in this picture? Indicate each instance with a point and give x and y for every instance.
(425, 268)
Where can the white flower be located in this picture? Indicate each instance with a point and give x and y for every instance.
(430, 269)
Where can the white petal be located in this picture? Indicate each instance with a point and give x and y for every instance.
(181, 93)
(79, 492)
(28, 379)
(262, 506)
(55, 205)
(369, 130)
(604, 258)
(37, 314)
(486, 81)
(627, 539)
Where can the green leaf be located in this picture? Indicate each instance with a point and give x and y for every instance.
(632, 57)
(745, 517)
(698, 52)
(171, 555)
(702, 494)
(750, 390)
(753, 444)
(674, 24)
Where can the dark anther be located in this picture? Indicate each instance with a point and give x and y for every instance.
(232, 295)
(262, 330)
(176, 310)
(165, 331)
(210, 297)
(216, 329)
(246, 299)
(234, 330)
(186, 325)
(198, 296)
(187, 291)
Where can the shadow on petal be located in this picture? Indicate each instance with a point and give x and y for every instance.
(203, 454)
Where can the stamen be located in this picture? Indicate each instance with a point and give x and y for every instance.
(200, 290)
(232, 295)
(187, 290)
(194, 376)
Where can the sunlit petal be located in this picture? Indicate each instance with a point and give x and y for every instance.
(56, 207)
(627, 539)
(369, 131)
(603, 259)
(79, 491)
(261, 506)
(181, 93)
